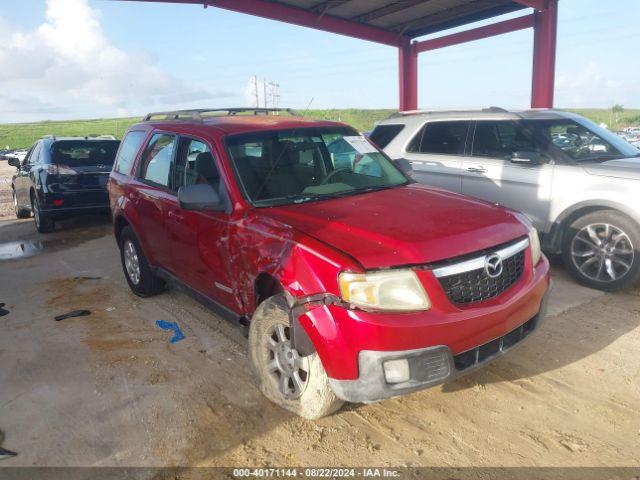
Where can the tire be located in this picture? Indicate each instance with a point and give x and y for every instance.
(314, 398)
(20, 211)
(602, 250)
(44, 223)
(140, 277)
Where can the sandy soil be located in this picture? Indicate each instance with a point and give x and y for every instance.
(109, 390)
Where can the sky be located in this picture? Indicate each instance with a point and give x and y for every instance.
(74, 59)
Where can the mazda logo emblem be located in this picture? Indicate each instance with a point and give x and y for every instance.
(493, 265)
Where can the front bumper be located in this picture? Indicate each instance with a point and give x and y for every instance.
(428, 366)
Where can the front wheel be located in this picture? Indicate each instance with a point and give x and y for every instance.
(295, 383)
(20, 211)
(601, 250)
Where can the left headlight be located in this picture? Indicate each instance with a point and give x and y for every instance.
(534, 241)
(391, 290)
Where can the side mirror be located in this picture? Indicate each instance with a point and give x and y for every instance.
(526, 158)
(404, 165)
(200, 197)
(14, 162)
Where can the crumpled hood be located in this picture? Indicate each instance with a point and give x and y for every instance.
(620, 168)
(403, 226)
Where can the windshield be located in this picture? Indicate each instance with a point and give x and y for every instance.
(293, 166)
(80, 153)
(581, 139)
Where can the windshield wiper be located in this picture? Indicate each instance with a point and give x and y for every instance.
(374, 188)
(302, 197)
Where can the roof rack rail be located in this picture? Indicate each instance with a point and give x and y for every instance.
(200, 114)
(495, 109)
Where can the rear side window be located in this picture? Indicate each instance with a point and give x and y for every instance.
(84, 153)
(128, 151)
(157, 158)
(383, 134)
(444, 138)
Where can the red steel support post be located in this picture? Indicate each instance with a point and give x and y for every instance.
(544, 55)
(408, 74)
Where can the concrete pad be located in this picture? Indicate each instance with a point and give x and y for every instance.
(568, 294)
(109, 390)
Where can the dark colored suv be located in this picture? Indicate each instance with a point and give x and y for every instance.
(357, 283)
(61, 177)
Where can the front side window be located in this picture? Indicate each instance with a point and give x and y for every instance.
(32, 154)
(128, 151)
(580, 139)
(195, 164)
(157, 158)
(501, 139)
(308, 164)
(443, 138)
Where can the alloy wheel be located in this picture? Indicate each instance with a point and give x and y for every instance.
(131, 262)
(286, 367)
(36, 213)
(602, 252)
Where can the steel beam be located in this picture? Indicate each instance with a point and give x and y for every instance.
(537, 4)
(408, 75)
(487, 31)
(544, 56)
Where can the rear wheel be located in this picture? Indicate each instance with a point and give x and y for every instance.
(20, 211)
(601, 250)
(44, 223)
(141, 279)
(295, 383)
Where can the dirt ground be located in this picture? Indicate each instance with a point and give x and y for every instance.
(6, 200)
(110, 390)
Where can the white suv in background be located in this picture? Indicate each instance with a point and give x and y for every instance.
(577, 182)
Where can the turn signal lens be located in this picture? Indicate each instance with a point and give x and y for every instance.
(391, 290)
(534, 241)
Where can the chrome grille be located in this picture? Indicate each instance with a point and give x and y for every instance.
(468, 281)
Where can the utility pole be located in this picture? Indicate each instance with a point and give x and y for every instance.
(264, 91)
(254, 87)
(275, 94)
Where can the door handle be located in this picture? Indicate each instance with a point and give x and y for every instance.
(176, 216)
(134, 196)
(478, 169)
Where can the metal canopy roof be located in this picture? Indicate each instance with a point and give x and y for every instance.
(411, 18)
(398, 22)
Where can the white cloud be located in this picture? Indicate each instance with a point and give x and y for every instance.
(594, 85)
(67, 67)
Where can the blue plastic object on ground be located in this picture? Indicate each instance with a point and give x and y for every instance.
(171, 326)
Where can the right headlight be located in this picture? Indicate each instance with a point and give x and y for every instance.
(534, 242)
(389, 290)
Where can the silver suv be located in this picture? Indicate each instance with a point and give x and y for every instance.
(577, 182)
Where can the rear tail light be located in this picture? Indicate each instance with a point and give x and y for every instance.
(60, 169)
(57, 202)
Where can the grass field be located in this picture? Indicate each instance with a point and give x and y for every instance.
(19, 135)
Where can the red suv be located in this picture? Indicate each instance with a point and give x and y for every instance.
(357, 284)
